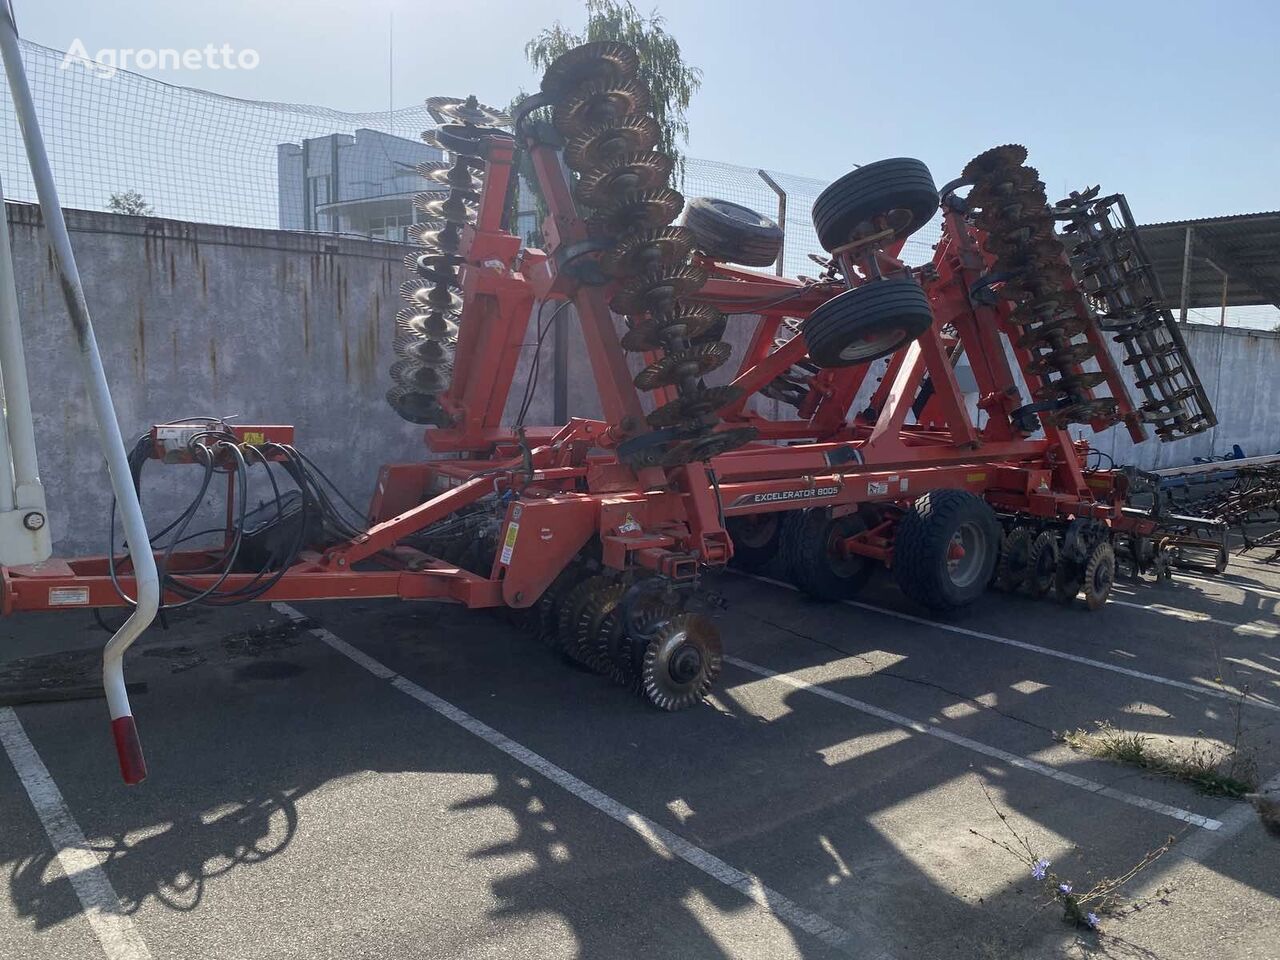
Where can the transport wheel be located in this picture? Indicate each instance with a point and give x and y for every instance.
(1043, 565)
(756, 539)
(681, 662)
(1014, 568)
(867, 322)
(732, 233)
(896, 194)
(1099, 575)
(811, 556)
(945, 549)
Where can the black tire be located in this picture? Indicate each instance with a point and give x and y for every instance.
(900, 189)
(756, 539)
(812, 565)
(867, 322)
(923, 564)
(732, 233)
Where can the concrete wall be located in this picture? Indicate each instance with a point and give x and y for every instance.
(1240, 370)
(194, 319)
(270, 326)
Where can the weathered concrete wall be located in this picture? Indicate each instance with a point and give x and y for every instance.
(194, 319)
(270, 326)
(1240, 370)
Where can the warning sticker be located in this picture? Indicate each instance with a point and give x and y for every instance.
(630, 525)
(509, 542)
(877, 488)
(255, 438)
(68, 596)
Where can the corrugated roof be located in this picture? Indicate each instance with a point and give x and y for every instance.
(1245, 246)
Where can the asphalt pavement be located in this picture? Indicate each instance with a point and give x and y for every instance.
(416, 780)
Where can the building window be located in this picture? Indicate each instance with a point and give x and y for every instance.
(391, 228)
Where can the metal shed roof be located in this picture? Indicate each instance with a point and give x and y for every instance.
(1246, 247)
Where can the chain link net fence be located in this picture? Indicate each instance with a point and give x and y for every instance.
(189, 154)
(193, 155)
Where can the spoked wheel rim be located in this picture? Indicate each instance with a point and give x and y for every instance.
(967, 554)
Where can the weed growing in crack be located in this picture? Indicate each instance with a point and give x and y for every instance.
(1224, 771)
(1085, 908)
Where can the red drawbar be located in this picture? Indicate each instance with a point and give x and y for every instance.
(133, 767)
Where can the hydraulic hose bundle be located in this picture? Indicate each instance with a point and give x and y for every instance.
(307, 514)
(1116, 273)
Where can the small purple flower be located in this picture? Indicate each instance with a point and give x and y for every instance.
(1039, 868)
(1064, 888)
(1092, 920)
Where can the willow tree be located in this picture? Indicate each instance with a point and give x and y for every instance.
(670, 80)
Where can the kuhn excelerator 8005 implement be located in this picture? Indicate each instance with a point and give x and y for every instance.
(595, 533)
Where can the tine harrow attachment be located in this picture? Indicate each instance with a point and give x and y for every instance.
(1117, 277)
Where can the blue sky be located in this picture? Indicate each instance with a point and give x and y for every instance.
(1173, 103)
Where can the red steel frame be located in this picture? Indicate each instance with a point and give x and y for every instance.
(565, 485)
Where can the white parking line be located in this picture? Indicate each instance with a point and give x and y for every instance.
(1034, 766)
(113, 927)
(1251, 699)
(1195, 616)
(662, 841)
(1230, 581)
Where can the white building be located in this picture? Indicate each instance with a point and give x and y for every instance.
(361, 184)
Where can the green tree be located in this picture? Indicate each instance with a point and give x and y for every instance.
(670, 80)
(131, 203)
